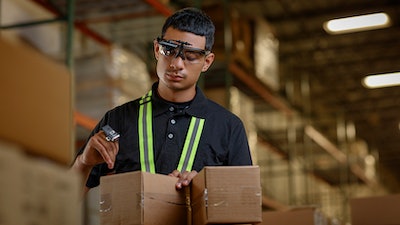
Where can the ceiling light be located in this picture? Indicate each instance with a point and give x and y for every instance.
(357, 23)
(382, 80)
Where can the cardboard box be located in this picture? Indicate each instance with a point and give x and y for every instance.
(377, 210)
(52, 194)
(226, 195)
(11, 162)
(36, 191)
(36, 102)
(141, 198)
(299, 216)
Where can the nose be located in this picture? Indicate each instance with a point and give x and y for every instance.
(178, 60)
(180, 54)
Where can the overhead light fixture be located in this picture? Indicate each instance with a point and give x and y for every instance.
(357, 23)
(382, 80)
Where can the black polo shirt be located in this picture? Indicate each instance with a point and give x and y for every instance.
(222, 143)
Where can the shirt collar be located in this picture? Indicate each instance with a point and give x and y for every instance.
(197, 107)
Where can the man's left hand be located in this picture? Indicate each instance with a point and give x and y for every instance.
(184, 178)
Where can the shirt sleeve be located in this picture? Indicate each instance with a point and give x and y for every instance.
(101, 169)
(239, 150)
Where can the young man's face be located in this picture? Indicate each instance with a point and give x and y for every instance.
(179, 68)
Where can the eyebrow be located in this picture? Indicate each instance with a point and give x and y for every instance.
(172, 40)
(185, 45)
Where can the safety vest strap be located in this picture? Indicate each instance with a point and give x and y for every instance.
(191, 143)
(145, 127)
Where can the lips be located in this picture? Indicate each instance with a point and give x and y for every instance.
(174, 76)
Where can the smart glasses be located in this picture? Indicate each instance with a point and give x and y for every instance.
(175, 48)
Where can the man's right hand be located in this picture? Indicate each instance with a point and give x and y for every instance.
(99, 150)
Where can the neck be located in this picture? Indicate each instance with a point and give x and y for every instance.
(177, 96)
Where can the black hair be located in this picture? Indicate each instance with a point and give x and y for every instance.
(194, 21)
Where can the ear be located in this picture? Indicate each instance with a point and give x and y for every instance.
(156, 49)
(208, 61)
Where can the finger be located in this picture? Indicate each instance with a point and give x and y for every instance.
(102, 147)
(191, 175)
(185, 178)
(110, 149)
(112, 154)
(175, 173)
(114, 147)
(178, 185)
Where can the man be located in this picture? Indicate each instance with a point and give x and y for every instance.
(173, 129)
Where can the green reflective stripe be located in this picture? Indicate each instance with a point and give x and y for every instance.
(191, 143)
(141, 143)
(145, 130)
(145, 134)
(149, 122)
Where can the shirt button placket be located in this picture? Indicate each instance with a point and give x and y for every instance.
(170, 135)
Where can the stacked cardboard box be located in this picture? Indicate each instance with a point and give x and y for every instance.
(36, 117)
(223, 195)
(298, 216)
(36, 102)
(34, 191)
(376, 210)
(11, 184)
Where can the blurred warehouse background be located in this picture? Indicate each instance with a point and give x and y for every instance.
(319, 134)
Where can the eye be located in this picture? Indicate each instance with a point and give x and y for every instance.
(193, 55)
(168, 50)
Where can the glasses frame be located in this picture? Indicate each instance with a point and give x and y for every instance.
(181, 46)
